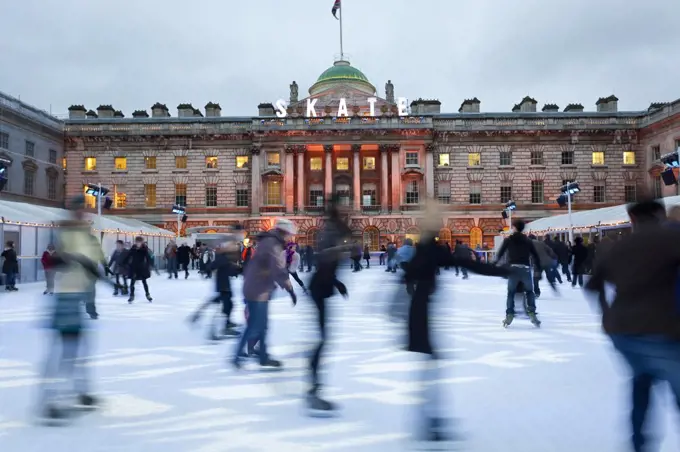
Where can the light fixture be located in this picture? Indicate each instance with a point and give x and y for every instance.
(178, 209)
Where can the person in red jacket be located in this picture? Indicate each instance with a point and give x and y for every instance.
(48, 263)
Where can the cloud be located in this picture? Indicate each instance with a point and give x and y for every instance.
(133, 53)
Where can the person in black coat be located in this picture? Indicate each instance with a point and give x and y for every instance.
(421, 271)
(10, 266)
(140, 263)
(309, 257)
(580, 253)
(183, 258)
(118, 263)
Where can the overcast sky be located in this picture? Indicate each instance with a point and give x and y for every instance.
(239, 53)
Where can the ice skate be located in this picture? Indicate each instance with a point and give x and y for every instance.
(534, 320)
(148, 297)
(318, 407)
(508, 320)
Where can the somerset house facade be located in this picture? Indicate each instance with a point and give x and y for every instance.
(383, 158)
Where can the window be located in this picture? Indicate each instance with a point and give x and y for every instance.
(316, 195)
(315, 164)
(537, 191)
(51, 187)
(368, 195)
(567, 157)
(598, 193)
(630, 192)
(119, 199)
(90, 201)
(372, 238)
(629, 157)
(150, 163)
(272, 194)
(53, 156)
(181, 162)
(537, 158)
(444, 192)
(412, 192)
(475, 193)
(30, 149)
(656, 153)
(444, 159)
(63, 163)
(598, 158)
(181, 194)
(342, 164)
(506, 158)
(411, 159)
(241, 162)
(342, 190)
(90, 164)
(369, 163)
(211, 162)
(29, 183)
(120, 163)
(150, 195)
(242, 196)
(211, 196)
(474, 159)
(4, 140)
(506, 193)
(312, 237)
(656, 187)
(273, 159)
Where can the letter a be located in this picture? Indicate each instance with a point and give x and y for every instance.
(281, 108)
(342, 108)
(311, 112)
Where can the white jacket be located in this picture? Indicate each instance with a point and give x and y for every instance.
(294, 263)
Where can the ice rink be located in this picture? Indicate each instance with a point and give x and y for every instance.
(164, 387)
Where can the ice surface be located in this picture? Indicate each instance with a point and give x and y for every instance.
(558, 388)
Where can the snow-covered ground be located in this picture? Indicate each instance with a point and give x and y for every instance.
(558, 388)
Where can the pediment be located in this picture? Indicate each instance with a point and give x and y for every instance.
(29, 165)
(272, 173)
(412, 172)
(51, 171)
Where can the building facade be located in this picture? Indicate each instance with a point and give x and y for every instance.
(346, 140)
(32, 146)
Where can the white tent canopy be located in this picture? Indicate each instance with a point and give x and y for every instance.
(585, 221)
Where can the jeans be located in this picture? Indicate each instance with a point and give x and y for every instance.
(172, 266)
(554, 272)
(256, 329)
(49, 281)
(565, 271)
(62, 354)
(132, 286)
(10, 279)
(184, 266)
(523, 275)
(650, 359)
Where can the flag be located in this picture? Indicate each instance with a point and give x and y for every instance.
(336, 7)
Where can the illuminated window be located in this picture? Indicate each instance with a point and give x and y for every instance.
(273, 159)
(412, 192)
(150, 195)
(598, 158)
(629, 157)
(90, 164)
(150, 163)
(63, 163)
(90, 201)
(369, 195)
(411, 159)
(474, 159)
(372, 238)
(119, 198)
(342, 164)
(120, 163)
(444, 159)
(51, 187)
(272, 195)
(181, 194)
(242, 197)
(211, 162)
(315, 164)
(369, 163)
(211, 196)
(241, 161)
(181, 162)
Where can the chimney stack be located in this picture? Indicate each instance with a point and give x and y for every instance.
(76, 112)
(470, 106)
(608, 104)
(528, 105)
(105, 111)
(213, 110)
(425, 107)
(573, 108)
(550, 108)
(159, 110)
(265, 109)
(185, 111)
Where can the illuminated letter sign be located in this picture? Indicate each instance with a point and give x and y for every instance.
(281, 107)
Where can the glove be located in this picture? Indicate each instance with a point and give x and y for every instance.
(293, 297)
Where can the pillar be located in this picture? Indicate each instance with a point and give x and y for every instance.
(429, 170)
(384, 175)
(356, 176)
(255, 181)
(328, 182)
(396, 177)
(289, 180)
(301, 195)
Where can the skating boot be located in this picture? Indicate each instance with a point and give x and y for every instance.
(318, 407)
(437, 436)
(53, 415)
(115, 292)
(131, 299)
(88, 402)
(534, 319)
(508, 320)
(125, 290)
(148, 297)
(230, 332)
(271, 364)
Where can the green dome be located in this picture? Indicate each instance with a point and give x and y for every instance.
(341, 72)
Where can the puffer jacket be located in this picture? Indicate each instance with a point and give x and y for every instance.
(266, 268)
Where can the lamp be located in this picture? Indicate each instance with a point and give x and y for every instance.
(568, 190)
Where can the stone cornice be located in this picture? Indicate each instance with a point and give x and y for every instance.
(389, 148)
(29, 165)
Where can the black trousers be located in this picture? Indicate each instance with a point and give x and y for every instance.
(184, 266)
(132, 286)
(297, 279)
(315, 359)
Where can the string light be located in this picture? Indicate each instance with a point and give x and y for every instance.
(106, 231)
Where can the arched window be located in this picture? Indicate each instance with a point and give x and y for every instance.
(413, 234)
(312, 237)
(475, 237)
(445, 235)
(372, 238)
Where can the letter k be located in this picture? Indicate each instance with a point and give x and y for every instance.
(311, 112)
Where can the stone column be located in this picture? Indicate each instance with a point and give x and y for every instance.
(356, 177)
(396, 177)
(429, 170)
(255, 181)
(289, 179)
(328, 182)
(384, 176)
(301, 194)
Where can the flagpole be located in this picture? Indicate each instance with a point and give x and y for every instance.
(342, 53)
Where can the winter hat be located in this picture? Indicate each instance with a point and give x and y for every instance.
(285, 226)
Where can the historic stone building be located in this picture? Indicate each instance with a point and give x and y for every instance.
(382, 163)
